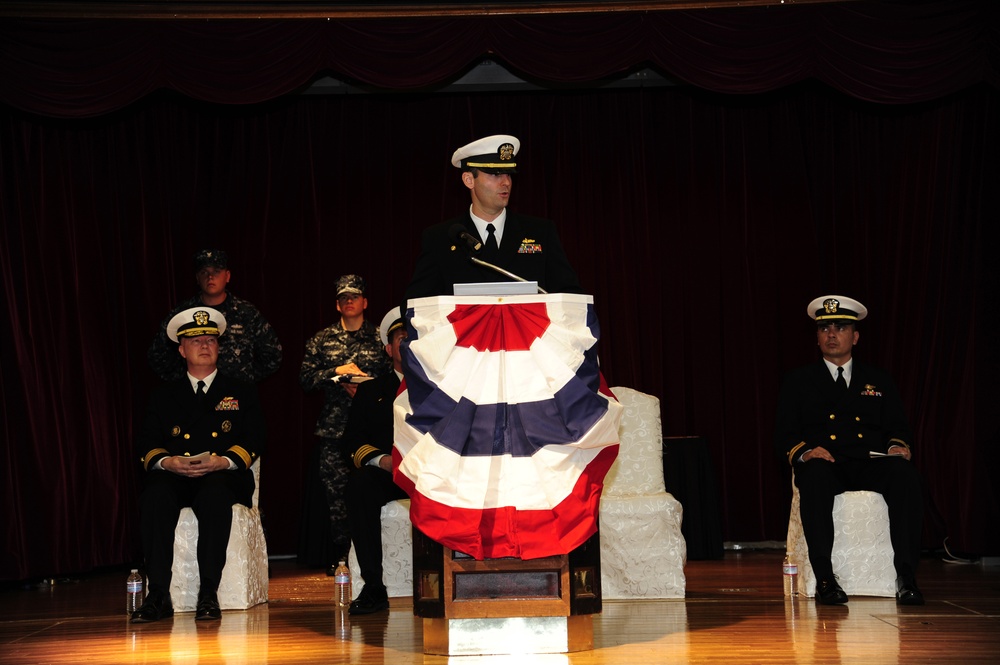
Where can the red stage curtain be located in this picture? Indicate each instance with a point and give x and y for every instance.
(702, 223)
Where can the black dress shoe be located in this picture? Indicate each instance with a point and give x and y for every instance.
(907, 592)
(156, 606)
(828, 592)
(370, 600)
(207, 608)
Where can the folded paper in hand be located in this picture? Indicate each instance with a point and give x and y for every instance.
(197, 459)
(352, 378)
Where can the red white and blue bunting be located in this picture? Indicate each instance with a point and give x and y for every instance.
(504, 427)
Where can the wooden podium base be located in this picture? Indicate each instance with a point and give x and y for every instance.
(508, 636)
(505, 606)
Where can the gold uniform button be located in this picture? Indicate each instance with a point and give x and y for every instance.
(187, 436)
(857, 418)
(215, 435)
(860, 435)
(833, 437)
(833, 417)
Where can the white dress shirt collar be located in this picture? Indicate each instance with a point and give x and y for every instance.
(848, 366)
(498, 224)
(208, 381)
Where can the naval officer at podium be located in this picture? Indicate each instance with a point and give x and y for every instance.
(526, 246)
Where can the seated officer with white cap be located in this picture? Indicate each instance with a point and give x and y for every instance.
(203, 412)
(832, 415)
(368, 442)
(526, 246)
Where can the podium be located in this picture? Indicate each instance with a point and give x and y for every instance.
(504, 432)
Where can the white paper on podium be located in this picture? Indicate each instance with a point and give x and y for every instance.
(496, 288)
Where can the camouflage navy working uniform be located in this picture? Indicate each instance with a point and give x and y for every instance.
(327, 350)
(249, 350)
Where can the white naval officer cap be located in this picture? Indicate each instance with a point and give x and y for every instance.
(836, 308)
(392, 320)
(492, 154)
(196, 322)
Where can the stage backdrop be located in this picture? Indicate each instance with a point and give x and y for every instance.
(702, 223)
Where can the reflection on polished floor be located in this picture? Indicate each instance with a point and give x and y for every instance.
(733, 613)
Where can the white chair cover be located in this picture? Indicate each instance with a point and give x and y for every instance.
(244, 579)
(862, 552)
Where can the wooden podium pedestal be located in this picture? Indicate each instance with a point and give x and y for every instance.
(505, 606)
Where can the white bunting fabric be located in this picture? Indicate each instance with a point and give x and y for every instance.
(504, 427)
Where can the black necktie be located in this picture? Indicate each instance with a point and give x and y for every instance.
(201, 391)
(491, 239)
(841, 381)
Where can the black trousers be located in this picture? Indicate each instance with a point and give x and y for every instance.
(896, 479)
(212, 498)
(368, 489)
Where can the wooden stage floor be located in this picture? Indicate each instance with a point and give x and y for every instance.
(733, 613)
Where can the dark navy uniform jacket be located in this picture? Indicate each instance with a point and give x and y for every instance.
(813, 411)
(530, 248)
(227, 422)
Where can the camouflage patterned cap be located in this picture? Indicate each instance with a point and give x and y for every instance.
(215, 258)
(350, 284)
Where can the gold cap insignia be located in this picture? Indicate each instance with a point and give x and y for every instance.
(830, 305)
(506, 152)
(201, 317)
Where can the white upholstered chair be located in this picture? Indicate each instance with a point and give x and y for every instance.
(642, 549)
(397, 552)
(244, 579)
(862, 552)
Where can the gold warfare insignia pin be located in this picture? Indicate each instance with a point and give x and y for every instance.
(830, 305)
(175, 431)
(201, 317)
(226, 426)
(506, 152)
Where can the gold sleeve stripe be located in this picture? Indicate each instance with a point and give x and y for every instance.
(793, 453)
(362, 452)
(243, 454)
(898, 442)
(151, 454)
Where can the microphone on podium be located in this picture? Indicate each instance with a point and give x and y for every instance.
(458, 232)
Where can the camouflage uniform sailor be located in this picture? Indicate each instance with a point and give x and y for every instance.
(250, 351)
(349, 347)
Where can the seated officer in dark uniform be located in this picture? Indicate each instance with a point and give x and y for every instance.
(203, 412)
(368, 441)
(840, 424)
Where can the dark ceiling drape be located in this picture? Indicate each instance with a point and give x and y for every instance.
(702, 221)
(891, 52)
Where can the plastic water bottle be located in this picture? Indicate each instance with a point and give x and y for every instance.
(133, 591)
(342, 585)
(790, 573)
